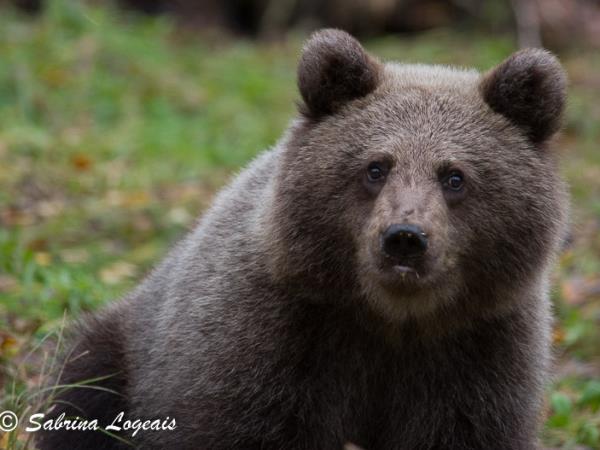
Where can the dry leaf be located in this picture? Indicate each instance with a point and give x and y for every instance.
(43, 258)
(137, 199)
(8, 344)
(81, 162)
(117, 272)
(558, 335)
(4, 441)
(578, 290)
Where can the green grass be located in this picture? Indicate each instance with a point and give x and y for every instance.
(115, 131)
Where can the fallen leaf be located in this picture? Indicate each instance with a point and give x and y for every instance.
(117, 272)
(578, 290)
(81, 162)
(558, 335)
(137, 199)
(43, 258)
(4, 441)
(8, 344)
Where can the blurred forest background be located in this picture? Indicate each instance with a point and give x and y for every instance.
(119, 120)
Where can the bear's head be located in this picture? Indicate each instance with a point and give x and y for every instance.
(419, 189)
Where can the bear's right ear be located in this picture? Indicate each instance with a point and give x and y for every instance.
(529, 89)
(334, 69)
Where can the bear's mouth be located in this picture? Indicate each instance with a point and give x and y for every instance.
(400, 274)
(403, 273)
(403, 270)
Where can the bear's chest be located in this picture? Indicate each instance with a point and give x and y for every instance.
(383, 398)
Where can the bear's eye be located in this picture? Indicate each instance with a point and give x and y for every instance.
(375, 172)
(454, 181)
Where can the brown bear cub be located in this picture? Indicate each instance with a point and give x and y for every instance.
(379, 277)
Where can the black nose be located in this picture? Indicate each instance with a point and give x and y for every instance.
(404, 240)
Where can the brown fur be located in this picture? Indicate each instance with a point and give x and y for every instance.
(529, 89)
(280, 322)
(333, 70)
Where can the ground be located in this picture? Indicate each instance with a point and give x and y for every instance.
(115, 132)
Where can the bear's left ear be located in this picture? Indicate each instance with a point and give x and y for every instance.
(529, 89)
(334, 69)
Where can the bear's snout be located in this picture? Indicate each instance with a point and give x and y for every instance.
(403, 241)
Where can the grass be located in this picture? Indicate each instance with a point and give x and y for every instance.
(115, 131)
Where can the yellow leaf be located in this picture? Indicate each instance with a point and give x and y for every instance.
(558, 335)
(8, 344)
(43, 258)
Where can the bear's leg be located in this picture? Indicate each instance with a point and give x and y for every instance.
(96, 366)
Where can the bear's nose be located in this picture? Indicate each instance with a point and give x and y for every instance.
(404, 240)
